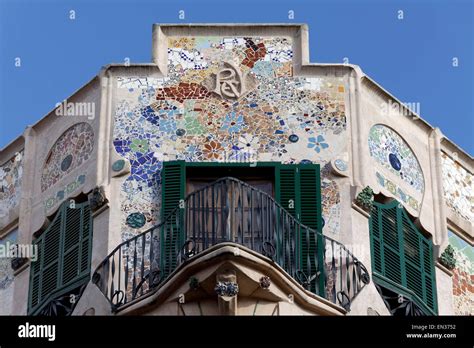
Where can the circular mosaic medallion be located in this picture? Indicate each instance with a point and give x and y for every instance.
(118, 165)
(293, 138)
(180, 132)
(66, 163)
(340, 165)
(392, 153)
(136, 220)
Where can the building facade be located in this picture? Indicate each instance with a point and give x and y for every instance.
(232, 176)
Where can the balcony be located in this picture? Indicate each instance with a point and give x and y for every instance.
(230, 211)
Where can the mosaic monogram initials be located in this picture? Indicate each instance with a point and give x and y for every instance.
(229, 82)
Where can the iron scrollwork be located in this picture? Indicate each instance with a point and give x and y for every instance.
(304, 279)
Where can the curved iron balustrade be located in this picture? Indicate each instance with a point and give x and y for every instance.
(229, 210)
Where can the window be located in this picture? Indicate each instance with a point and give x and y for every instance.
(402, 258)
(295, 187)
(64, 254)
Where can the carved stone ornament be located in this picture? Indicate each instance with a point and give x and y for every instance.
(265, 282)
(230, 82)
(365, 198)
(447, 258)
(97, 198)
(17, 262)
(229, 289)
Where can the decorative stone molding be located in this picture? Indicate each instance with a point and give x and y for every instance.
(447, 258)
(97, 198)
(365, 198)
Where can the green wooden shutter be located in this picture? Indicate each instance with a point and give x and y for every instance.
(312, 249)
(86, 241)
(285, 194)
(76, 243)
(310, 196)
(285, 188)
(300, 185)
(400, 252)
(50, 267)
(35, 272)
(430, 296)
(64, 255)
(391, 246)
(420, 276)
(173, 180)
(386, 251)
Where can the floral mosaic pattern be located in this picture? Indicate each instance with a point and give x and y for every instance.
(73, 148)
(393, 154)
(282, 118)
(458, 186)
(463, 278)
(64, 192)
(397, 191)
(11, 174)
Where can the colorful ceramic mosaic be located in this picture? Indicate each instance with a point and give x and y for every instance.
(331, 203)
(60, 195)
(458, 186)
(397, 191)
(393, 154)
(463, 278)
(224, 99)
(11, 174)
(72, 148)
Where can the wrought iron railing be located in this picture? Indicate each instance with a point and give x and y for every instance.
(229, 210)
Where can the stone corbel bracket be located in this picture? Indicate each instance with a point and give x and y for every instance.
(227, 289)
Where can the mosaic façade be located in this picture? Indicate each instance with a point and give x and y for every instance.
(270, 115)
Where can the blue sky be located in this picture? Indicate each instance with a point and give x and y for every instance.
(412, 58)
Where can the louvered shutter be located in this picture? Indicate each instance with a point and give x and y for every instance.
(51, 259)
(285, 190)
(173, 180)
(76, 243)
(430, 296)
(310, 215)
(413, 257)
(391, 246)
(400, 252)
(64, 252)
(35, 275)
(300, 185)
(86, 241)
(285, 194)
